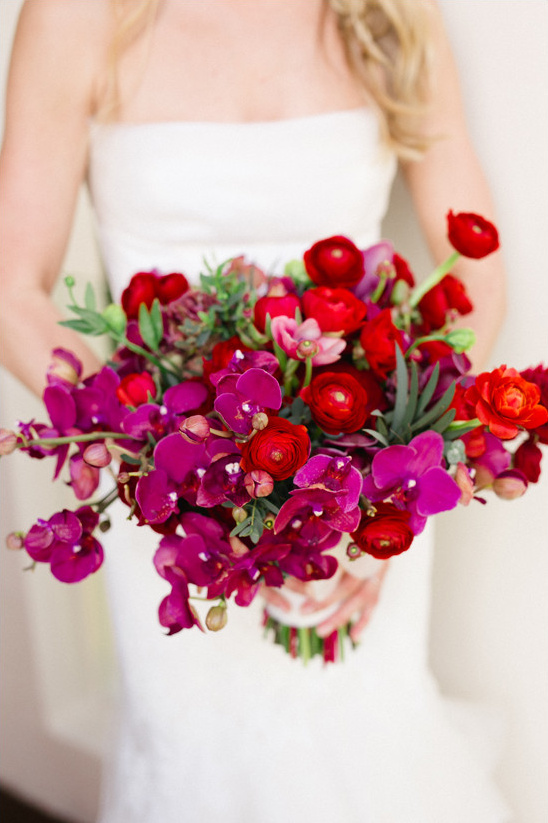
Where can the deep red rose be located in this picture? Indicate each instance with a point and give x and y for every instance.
(169, 287)
(144, 287)
(449, 295)
(134, 389)
(527, 460)
(539, 376)
(335, 310)
(386, 533)
(337, 401)
(335, 261)
(280, 449)
(276, 306)
(471, 235)
(505, 402)
(378, 339)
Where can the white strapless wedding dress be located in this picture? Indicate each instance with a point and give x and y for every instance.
(226, 726)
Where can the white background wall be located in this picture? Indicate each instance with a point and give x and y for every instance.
(489, 640)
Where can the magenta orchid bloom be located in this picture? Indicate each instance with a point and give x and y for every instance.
(306, 340)
(412, 477)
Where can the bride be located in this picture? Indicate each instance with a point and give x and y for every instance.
(223, 127)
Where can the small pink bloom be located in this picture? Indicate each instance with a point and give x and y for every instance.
(295, 338)
(465, 484)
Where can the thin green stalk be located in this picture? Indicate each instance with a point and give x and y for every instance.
(75, 438)
(433, 279)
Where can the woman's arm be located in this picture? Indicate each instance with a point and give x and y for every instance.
(450, 177)
(52, 93)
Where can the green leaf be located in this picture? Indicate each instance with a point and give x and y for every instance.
(377, 435)
(95, 328)
(412, 399)
(402, 386)
(428, 391)
(157, 320)
(458, 428)
(436, 411)
(148, 329)
(89, 298)
(444, 421)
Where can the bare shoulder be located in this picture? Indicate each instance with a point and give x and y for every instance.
(65, 43)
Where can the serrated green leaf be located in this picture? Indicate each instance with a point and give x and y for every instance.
(428, 391)
(436, 411)
(89, 298)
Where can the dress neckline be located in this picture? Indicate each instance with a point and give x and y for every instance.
(244, 125)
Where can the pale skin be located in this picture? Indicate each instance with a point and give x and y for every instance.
(194, 66)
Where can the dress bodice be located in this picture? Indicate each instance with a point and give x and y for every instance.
(167, 194)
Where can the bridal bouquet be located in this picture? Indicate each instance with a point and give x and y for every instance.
(257, 423)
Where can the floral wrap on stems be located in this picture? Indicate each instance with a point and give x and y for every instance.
(261, 420)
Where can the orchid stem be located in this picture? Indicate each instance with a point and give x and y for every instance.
(75, 438)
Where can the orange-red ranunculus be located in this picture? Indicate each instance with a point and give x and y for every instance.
(134, 389)
(338, 402)
(335, 310)
(384, 534)
(506, 403)
(472, 235)
(279, 449)
(335, 261)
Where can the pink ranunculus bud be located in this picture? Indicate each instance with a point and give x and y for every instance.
(15, 541)
(195, 429)
(8, 441)
(97, 454)
(258, 483)
(510, 484)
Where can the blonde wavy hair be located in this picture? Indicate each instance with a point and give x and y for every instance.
(387, 45)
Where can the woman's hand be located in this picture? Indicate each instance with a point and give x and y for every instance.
(355, 597)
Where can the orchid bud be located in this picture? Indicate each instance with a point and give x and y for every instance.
(104, 525)
(460, 340)
(8, 441)
(64, 367)
(216, 618)
(465, 484)
(510, 484)
(97, 454)
(307, 348)
(195, 429)
(239, 514)
(259, 421)
(258, 483)
(115, 318)
(15, 541)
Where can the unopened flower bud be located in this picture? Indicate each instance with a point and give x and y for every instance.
(104, 525)
(386, 270)
(258, 483)
(97, 454)
(460, 340)
(15, 541)
(115, 318)
(70, 281)
(64, 367)
(307, 348)
(268, 522)
(259, 421)
(465, 483)
(216, 618)
(353, 551)
(239, 514)
(510, 484)
(400, 293)
(8, 441)
(195, 429)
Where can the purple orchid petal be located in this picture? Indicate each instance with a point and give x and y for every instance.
(373, 257)
(156, 496)
(61, 407)
(259, 386)
(222, 481)
(39, 541)
(428, 448)
(436, 492)
(177, 457)
(66, 526)
(175, 611)
(84, 479)
(185, 397)
(72, 563)
(388, 467)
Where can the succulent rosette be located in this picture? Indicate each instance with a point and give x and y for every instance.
(260, 422)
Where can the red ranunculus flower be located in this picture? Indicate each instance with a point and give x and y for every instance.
(276, 306)
(144, 287)
(279, 449)
(378, 339)
(386, 533)
(471, 235)
(539, 376)
(527, 460)
(403, 272)
(338, 402)
(134, 389)
(505, 402)
(221, 355)
(335, 261)
(335, 310)
(447, 296)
